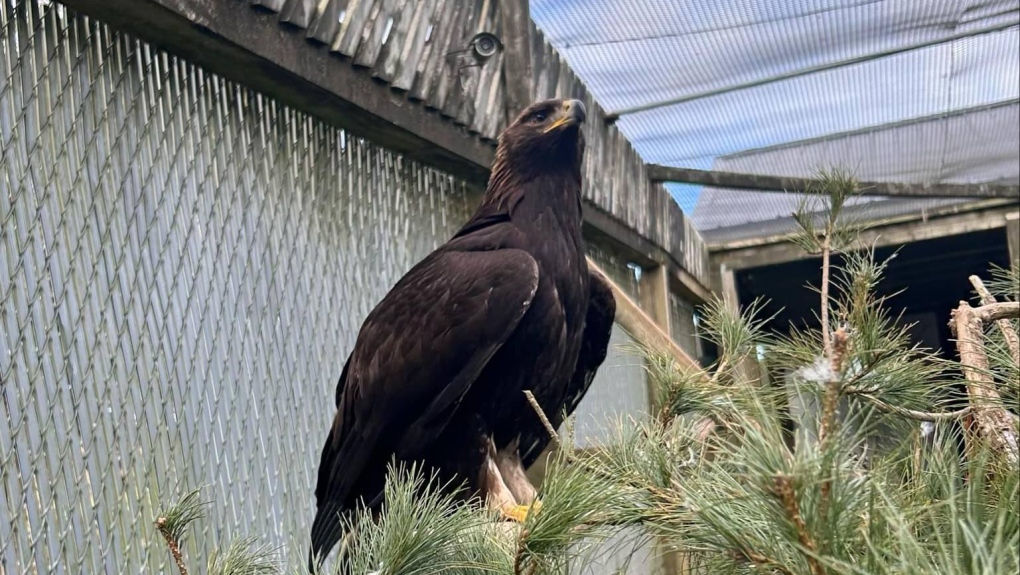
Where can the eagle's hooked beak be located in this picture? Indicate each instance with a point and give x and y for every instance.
(571, 113)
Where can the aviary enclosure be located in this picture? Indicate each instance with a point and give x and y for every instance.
(201, 200)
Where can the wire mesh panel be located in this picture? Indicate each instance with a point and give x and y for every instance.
(683, 325)
(916, 91)
(183, 266)
(620, 387)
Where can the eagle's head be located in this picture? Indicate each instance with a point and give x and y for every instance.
(545, 136)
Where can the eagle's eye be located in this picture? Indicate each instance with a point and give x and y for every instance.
(539, 117)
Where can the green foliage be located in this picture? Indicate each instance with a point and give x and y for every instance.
(175, 519)
(821, 215)
(887, 491)
(421, 531)
(244, 557)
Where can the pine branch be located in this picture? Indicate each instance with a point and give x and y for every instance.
(172, 545)
(998, 311)
(173, 524)
(784, 490)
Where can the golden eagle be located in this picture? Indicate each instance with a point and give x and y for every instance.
(440, 366)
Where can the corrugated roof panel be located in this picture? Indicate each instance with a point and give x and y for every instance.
(760, 75)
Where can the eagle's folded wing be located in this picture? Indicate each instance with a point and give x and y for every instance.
(417, 354)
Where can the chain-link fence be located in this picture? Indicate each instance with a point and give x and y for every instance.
(183, 267)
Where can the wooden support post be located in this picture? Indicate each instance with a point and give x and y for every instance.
(654, 297)
(748, 370)
(1013, 236)
(641, 326)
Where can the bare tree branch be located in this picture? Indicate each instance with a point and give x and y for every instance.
(1004, 326)
(993, 423)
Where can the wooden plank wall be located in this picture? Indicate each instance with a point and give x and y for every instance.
(421, 48)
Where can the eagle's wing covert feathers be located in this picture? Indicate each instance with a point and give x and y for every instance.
(598, 327)
(417, 354)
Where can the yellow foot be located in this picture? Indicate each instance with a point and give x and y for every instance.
(519, 513)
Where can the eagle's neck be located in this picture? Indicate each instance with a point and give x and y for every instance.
(523, 192)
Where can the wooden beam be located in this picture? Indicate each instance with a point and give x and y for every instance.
(250, 47)
(516, 19)
(879, 236)
(758, 182)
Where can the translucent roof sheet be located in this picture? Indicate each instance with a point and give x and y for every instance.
(908, 90)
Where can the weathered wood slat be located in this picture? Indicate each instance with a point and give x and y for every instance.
(447, 72)
(538, 54)
(463, 62)
(401, 61)
(515, 21)
(385, 17)
(495, 106)
(327, 19)
(488, 14)
(553, 73)
(298, 12)
(377, 30)
(432, 63)
(492, 72)
(499, 121)
(349, 36)
(483, 96)
(565, 85)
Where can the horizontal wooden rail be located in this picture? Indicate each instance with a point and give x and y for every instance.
(760, 182)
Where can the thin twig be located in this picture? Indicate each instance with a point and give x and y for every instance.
(826, 338)
(719, 370)
(171, 543)
(783, 489)
(542, 417)
(1008, 333)
(928, 416)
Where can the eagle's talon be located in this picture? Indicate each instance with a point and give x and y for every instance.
(519, 513)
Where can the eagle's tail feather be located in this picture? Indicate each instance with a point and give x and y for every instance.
(327, 529)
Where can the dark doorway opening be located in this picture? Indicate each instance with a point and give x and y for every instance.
(928, 278)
